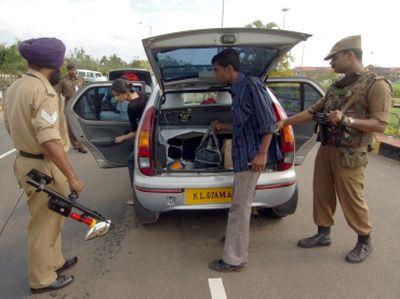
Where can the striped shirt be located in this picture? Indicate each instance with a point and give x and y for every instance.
(253, 117)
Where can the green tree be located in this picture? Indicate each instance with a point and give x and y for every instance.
(259, 24)
(140, 64)
(11, 62)
(82, 60)
(282, 69)
(112, 62)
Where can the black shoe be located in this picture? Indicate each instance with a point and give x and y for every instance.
(62, 281)
(69, 263)
(82, 150)
(317, 240)
(221, 266)
(360, 252)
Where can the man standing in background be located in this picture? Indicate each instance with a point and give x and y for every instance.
(67, 87)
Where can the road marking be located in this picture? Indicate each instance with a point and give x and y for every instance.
(8, 153)
(216, 288)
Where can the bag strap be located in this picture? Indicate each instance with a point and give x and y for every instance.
(214, 137)
(205, 137)
(356, 95)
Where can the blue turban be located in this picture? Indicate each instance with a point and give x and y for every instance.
(44, 52)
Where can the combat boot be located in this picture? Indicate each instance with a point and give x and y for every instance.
(322, 238)
(361, 251)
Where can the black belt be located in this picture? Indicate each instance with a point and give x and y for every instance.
(32, 156)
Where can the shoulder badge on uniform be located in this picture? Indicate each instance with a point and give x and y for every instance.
(50, 119)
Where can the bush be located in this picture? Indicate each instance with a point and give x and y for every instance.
(396, 90)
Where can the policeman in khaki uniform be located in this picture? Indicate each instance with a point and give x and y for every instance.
(356, 106)
(67, 87)
(35, 120)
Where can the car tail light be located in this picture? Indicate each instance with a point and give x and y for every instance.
(287, 140)
(145, 157)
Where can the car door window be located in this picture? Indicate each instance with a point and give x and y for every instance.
(98, 103)
(288, 95)
(311, 95)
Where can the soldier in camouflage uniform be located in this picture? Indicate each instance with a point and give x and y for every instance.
(356, 106)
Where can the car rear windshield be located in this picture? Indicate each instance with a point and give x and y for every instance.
(188, 63)
(132, 75)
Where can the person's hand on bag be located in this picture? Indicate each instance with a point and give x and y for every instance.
(279, 125)
(217, 126)
(119, 139)
(258, 163)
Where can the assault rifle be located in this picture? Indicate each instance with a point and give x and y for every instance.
(324, 125)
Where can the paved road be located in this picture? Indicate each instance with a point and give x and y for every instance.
(5, 142)
(169, 259)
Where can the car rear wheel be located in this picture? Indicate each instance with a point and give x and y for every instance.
(270, 213)
(289, 207)
(144, 216)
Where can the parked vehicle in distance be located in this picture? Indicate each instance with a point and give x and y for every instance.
(91, 76)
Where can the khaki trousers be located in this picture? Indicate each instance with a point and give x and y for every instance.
(44, 228)
(332, 181)
(236, 248)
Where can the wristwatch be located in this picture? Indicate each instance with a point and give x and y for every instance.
(347, 121)
(351, 121)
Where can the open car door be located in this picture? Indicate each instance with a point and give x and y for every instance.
(96, 118)
(295, 95)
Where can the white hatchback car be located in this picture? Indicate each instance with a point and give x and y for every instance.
(178, 113)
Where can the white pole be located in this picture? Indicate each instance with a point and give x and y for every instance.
(223, 12)
(302, 55)
(284, 16)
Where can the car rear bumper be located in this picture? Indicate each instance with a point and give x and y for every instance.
(167, 193)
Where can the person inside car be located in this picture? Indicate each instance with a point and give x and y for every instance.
(123, 91)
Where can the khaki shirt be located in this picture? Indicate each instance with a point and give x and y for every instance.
(33, 114)
(378, 101)
(67, 86)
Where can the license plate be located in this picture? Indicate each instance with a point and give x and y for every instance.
(208, 196)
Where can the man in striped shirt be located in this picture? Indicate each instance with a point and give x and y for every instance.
(253, 145)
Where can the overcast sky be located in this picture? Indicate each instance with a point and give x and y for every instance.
(104, 27)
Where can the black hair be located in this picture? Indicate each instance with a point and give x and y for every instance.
(357, 52)
(71, 66)
(227, 57)
(121, 86)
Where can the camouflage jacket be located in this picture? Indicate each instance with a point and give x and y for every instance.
(336, 97)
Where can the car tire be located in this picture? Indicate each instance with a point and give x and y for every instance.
(270, 213)
(144, 216)
(288, 208)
